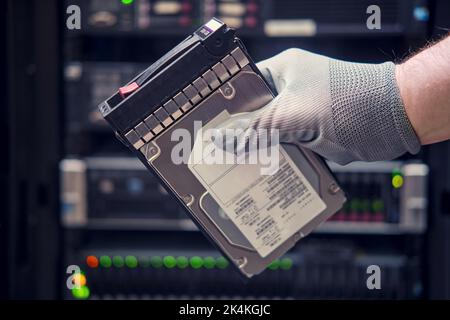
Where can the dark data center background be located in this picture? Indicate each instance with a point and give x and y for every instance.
(76, 196)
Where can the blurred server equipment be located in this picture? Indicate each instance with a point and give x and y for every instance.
(273, 18)
(385, 197)
(312, 270)
(117, 213)
(245, 15)
(148, 16)
(116, 193)
(344, 17)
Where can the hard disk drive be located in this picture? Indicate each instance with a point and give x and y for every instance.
(209, 78)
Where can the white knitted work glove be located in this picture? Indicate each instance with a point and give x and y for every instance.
(343, 111)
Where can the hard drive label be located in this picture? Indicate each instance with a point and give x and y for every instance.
(267, 209)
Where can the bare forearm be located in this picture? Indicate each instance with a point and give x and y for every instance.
(424, 82)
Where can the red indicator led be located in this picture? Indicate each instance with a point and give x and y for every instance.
(92, 261)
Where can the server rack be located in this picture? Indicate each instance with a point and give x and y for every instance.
(38, 247)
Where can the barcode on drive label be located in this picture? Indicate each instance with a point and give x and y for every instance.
(267, 209)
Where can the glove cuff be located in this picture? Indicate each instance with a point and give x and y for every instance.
(402, 123)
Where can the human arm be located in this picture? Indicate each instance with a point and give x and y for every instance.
(349, 111)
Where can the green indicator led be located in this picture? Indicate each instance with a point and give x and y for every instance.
(397, 181)
(274, 265)
(377, 205)
(397, 178)
(196, 262)
(355, 204)
(131, 261)
(118, 261)
(286, 263)
(127, 2)
(81, 293)
(156, 262)
(182, 262)
(105, 261)
(144, 262)
(209, 262)
(222, 263)
(169, 262)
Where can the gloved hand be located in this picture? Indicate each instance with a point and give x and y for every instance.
(343, 111)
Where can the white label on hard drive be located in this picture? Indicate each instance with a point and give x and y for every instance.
(267, 209)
